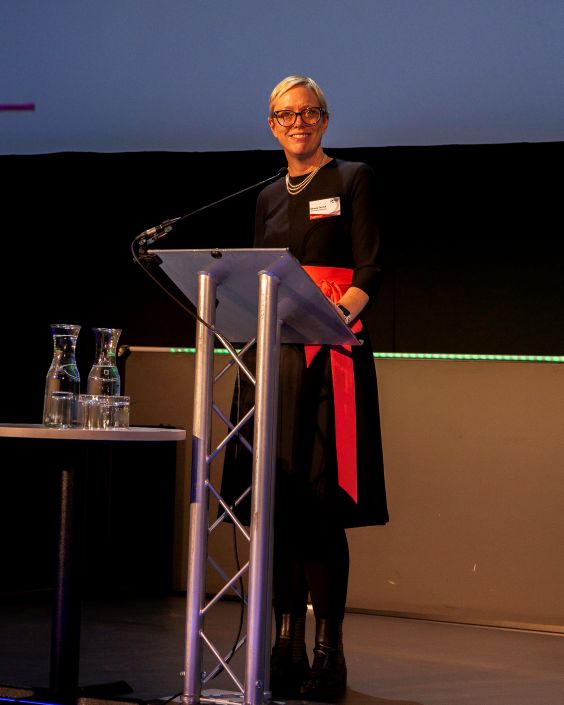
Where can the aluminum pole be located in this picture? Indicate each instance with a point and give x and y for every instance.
(201, 445)
(260, 586)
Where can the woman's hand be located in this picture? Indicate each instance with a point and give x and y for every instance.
(354, 300)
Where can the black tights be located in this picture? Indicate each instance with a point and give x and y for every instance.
(314, 561)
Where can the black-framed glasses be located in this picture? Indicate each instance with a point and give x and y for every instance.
(310, 116)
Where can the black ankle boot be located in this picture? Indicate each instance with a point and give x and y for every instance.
(327, 679)
(289, 665)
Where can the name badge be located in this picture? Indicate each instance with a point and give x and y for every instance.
(325, 208)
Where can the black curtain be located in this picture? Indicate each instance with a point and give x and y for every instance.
(473, 263)
(472, 249)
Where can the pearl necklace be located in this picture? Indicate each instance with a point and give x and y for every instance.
(298, 188)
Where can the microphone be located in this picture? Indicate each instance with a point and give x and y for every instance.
(150, 236)
(159, 230)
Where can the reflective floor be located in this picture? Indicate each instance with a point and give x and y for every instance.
(391, 661)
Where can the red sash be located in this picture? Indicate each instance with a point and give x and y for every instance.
(333, 282)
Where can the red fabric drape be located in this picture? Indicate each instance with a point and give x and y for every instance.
(333, 282)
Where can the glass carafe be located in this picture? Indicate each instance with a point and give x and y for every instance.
(62, 386)
(104, 377)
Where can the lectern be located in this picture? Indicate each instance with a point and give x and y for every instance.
(242, 296)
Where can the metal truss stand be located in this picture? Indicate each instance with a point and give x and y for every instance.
(248, 295)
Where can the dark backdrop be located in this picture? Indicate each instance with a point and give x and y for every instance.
(473, 263)
(472, 248)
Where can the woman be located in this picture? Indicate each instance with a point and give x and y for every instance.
(329, 473)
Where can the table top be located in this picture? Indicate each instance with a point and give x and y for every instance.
(134, 433)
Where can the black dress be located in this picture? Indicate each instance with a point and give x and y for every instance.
(307, 489)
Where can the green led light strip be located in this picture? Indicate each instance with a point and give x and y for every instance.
(455, 356)
(428, 356)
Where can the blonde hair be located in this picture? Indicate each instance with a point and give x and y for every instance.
(291, 82)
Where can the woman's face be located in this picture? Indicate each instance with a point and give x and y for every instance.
(299, 141)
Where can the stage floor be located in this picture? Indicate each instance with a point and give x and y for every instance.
(391, 661)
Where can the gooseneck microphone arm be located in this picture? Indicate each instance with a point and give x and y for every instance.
(150, 236)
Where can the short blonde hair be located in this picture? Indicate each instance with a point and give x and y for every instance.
(291, 82)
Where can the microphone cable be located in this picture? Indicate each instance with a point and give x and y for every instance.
(144, 260)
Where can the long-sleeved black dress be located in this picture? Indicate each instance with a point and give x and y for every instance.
(307, 488)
